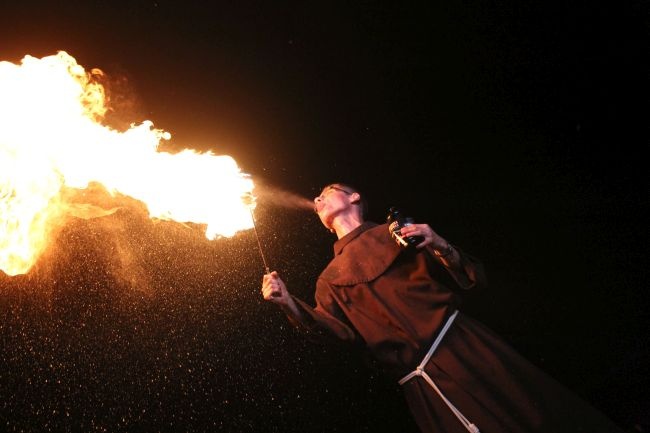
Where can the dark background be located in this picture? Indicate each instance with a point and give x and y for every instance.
(514, 128)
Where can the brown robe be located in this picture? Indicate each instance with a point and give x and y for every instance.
(395, 302)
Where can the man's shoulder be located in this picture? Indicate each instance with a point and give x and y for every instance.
(376, 231)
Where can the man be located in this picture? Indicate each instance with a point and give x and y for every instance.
(401, 305)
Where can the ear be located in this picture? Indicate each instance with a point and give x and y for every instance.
(355, 198)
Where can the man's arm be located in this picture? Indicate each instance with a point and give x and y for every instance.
(324, 320)
(466, 270)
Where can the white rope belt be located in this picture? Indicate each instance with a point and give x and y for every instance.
(419, 371)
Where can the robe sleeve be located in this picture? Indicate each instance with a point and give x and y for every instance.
(326, 319)
(470, 274)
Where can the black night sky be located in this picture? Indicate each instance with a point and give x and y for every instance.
(514, 128)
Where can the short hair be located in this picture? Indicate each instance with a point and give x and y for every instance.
(347, 188)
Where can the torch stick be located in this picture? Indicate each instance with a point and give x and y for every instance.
(259, 243)
(259, 246)
(250, 199)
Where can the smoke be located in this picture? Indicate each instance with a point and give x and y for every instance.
(276, 196)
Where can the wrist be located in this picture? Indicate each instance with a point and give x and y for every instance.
(444, 251)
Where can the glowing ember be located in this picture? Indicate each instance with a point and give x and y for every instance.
(51, 137)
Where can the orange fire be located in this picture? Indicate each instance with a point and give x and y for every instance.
(51, 137)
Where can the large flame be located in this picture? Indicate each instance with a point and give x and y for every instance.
(51, 137)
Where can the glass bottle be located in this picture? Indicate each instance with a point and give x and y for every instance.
(396, 221)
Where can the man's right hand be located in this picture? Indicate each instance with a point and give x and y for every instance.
(274, 289)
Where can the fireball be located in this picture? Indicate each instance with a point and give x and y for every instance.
(52, 138)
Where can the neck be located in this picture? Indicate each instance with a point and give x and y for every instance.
(345, 224)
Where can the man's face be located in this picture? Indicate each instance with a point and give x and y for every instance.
(332, 201)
